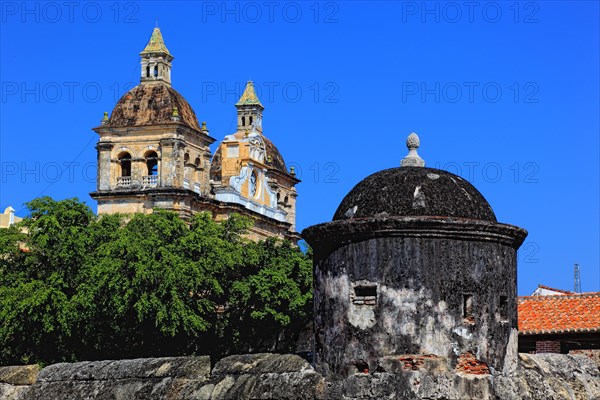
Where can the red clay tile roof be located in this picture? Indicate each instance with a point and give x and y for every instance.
(563, 313)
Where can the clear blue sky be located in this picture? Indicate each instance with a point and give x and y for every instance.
(506, 94)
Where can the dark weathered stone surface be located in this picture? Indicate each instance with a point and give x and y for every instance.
(254, 376)
(125, 379)
(414, 191)
(173, 367)
(551, 376)
(420, 300)
(409, 385)
(259, 364)
(421, 269)
(288, 377)
(414, 265)
(326, 237)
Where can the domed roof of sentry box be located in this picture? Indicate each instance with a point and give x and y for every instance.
(413, 190)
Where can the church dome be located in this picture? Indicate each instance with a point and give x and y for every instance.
(151, 104)
(414, 191)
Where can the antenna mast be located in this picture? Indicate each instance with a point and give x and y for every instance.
(576, 279)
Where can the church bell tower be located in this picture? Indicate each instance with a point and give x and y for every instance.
(249, 110)
(152, 151)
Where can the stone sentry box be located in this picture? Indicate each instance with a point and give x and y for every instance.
(414, 263)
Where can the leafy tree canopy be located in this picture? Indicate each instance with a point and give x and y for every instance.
(74, 286)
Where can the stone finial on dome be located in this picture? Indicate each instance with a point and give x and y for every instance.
(204, 129)
(175, 115)
(412, 159)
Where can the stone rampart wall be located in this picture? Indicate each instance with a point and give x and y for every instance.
(289, 377)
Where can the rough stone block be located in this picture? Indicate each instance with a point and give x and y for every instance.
(10, 392)
(19, 374)
(259, 364)
(174, 367)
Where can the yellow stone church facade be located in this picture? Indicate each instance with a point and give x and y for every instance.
(153, 153)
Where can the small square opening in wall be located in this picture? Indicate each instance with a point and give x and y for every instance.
(365, 295)
(365, 291)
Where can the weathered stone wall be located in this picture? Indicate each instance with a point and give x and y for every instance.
(289, 377)
(593, 354)
(444, 297)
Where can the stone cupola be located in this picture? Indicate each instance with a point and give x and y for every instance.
(249, 110)
(156, 60)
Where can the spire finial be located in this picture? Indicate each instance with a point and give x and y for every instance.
(249, 96)
(412, 159)
(105, 118)
(156, 44)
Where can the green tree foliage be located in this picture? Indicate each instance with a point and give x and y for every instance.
(77, 287)
(272, 289)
